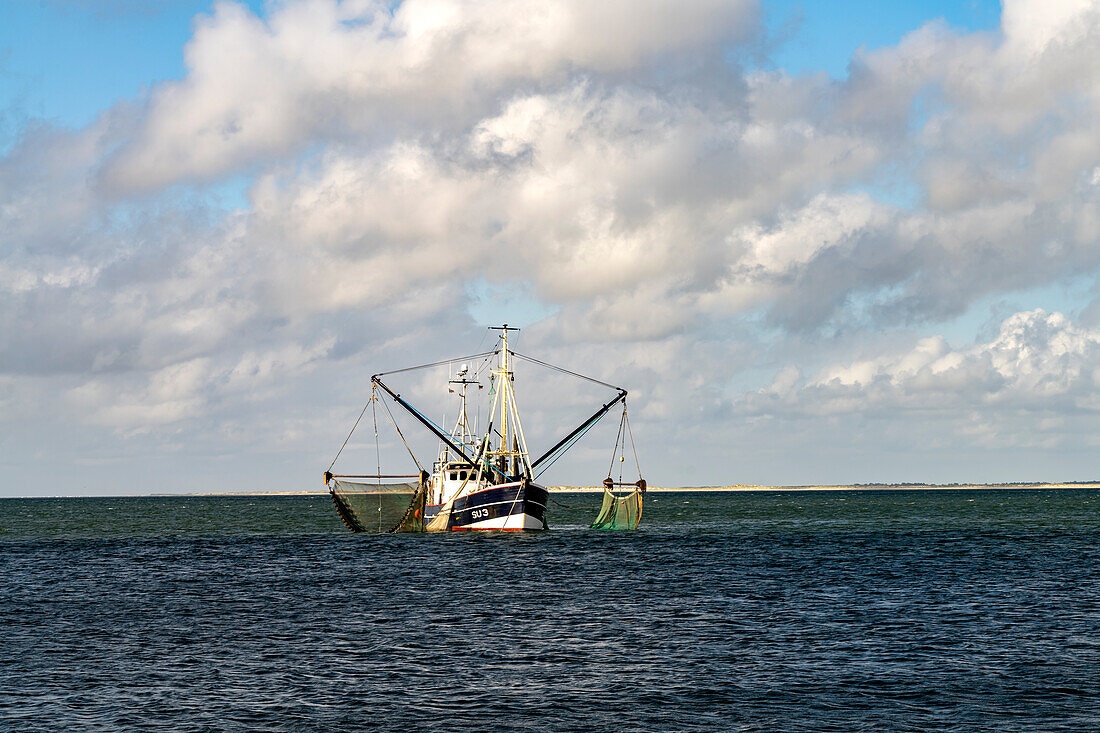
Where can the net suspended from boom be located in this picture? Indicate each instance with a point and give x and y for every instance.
(621, 511)
(370, 505)
(378, 507)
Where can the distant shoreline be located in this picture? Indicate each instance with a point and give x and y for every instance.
(654, 489)
(847, 487)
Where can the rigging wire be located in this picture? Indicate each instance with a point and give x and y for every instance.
(374, 413)
(623, 421)
(471, 357)
(427, 419)
(482, 341)
(562, 370)
(632, 446)
(485, 357)
(615, 450)
(401, 435)
(484, 362)
(353, 427)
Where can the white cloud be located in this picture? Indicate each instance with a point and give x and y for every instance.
(1039, 363)
(322, 70)
(1036, 26)
(191, 388)
(702, 222)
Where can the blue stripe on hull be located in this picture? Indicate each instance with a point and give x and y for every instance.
(498, 501)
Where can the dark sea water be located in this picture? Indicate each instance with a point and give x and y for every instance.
(828, 611)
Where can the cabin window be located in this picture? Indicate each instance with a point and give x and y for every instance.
(461, 475)
(454, 476)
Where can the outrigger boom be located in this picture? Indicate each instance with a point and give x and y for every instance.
(425, 421)
(581, 428)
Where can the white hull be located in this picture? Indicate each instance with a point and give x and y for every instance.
(511, 522)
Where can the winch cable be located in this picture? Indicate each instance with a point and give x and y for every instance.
(624, 434)
(622, 457)
(374, 397)
(377, 444)
(378, 455)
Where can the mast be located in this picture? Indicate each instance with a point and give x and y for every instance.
(505, 384)
(513, 445)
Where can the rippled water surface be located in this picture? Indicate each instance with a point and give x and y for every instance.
(829, 611)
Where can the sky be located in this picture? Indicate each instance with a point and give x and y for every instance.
(845, 242)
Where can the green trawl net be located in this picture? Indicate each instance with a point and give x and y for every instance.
(619, 512)
(380, 507)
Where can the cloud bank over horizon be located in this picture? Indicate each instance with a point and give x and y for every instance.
(800, 278)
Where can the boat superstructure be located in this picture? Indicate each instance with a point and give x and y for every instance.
(480, 479)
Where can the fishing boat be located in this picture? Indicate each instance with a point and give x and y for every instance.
(479, 479)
